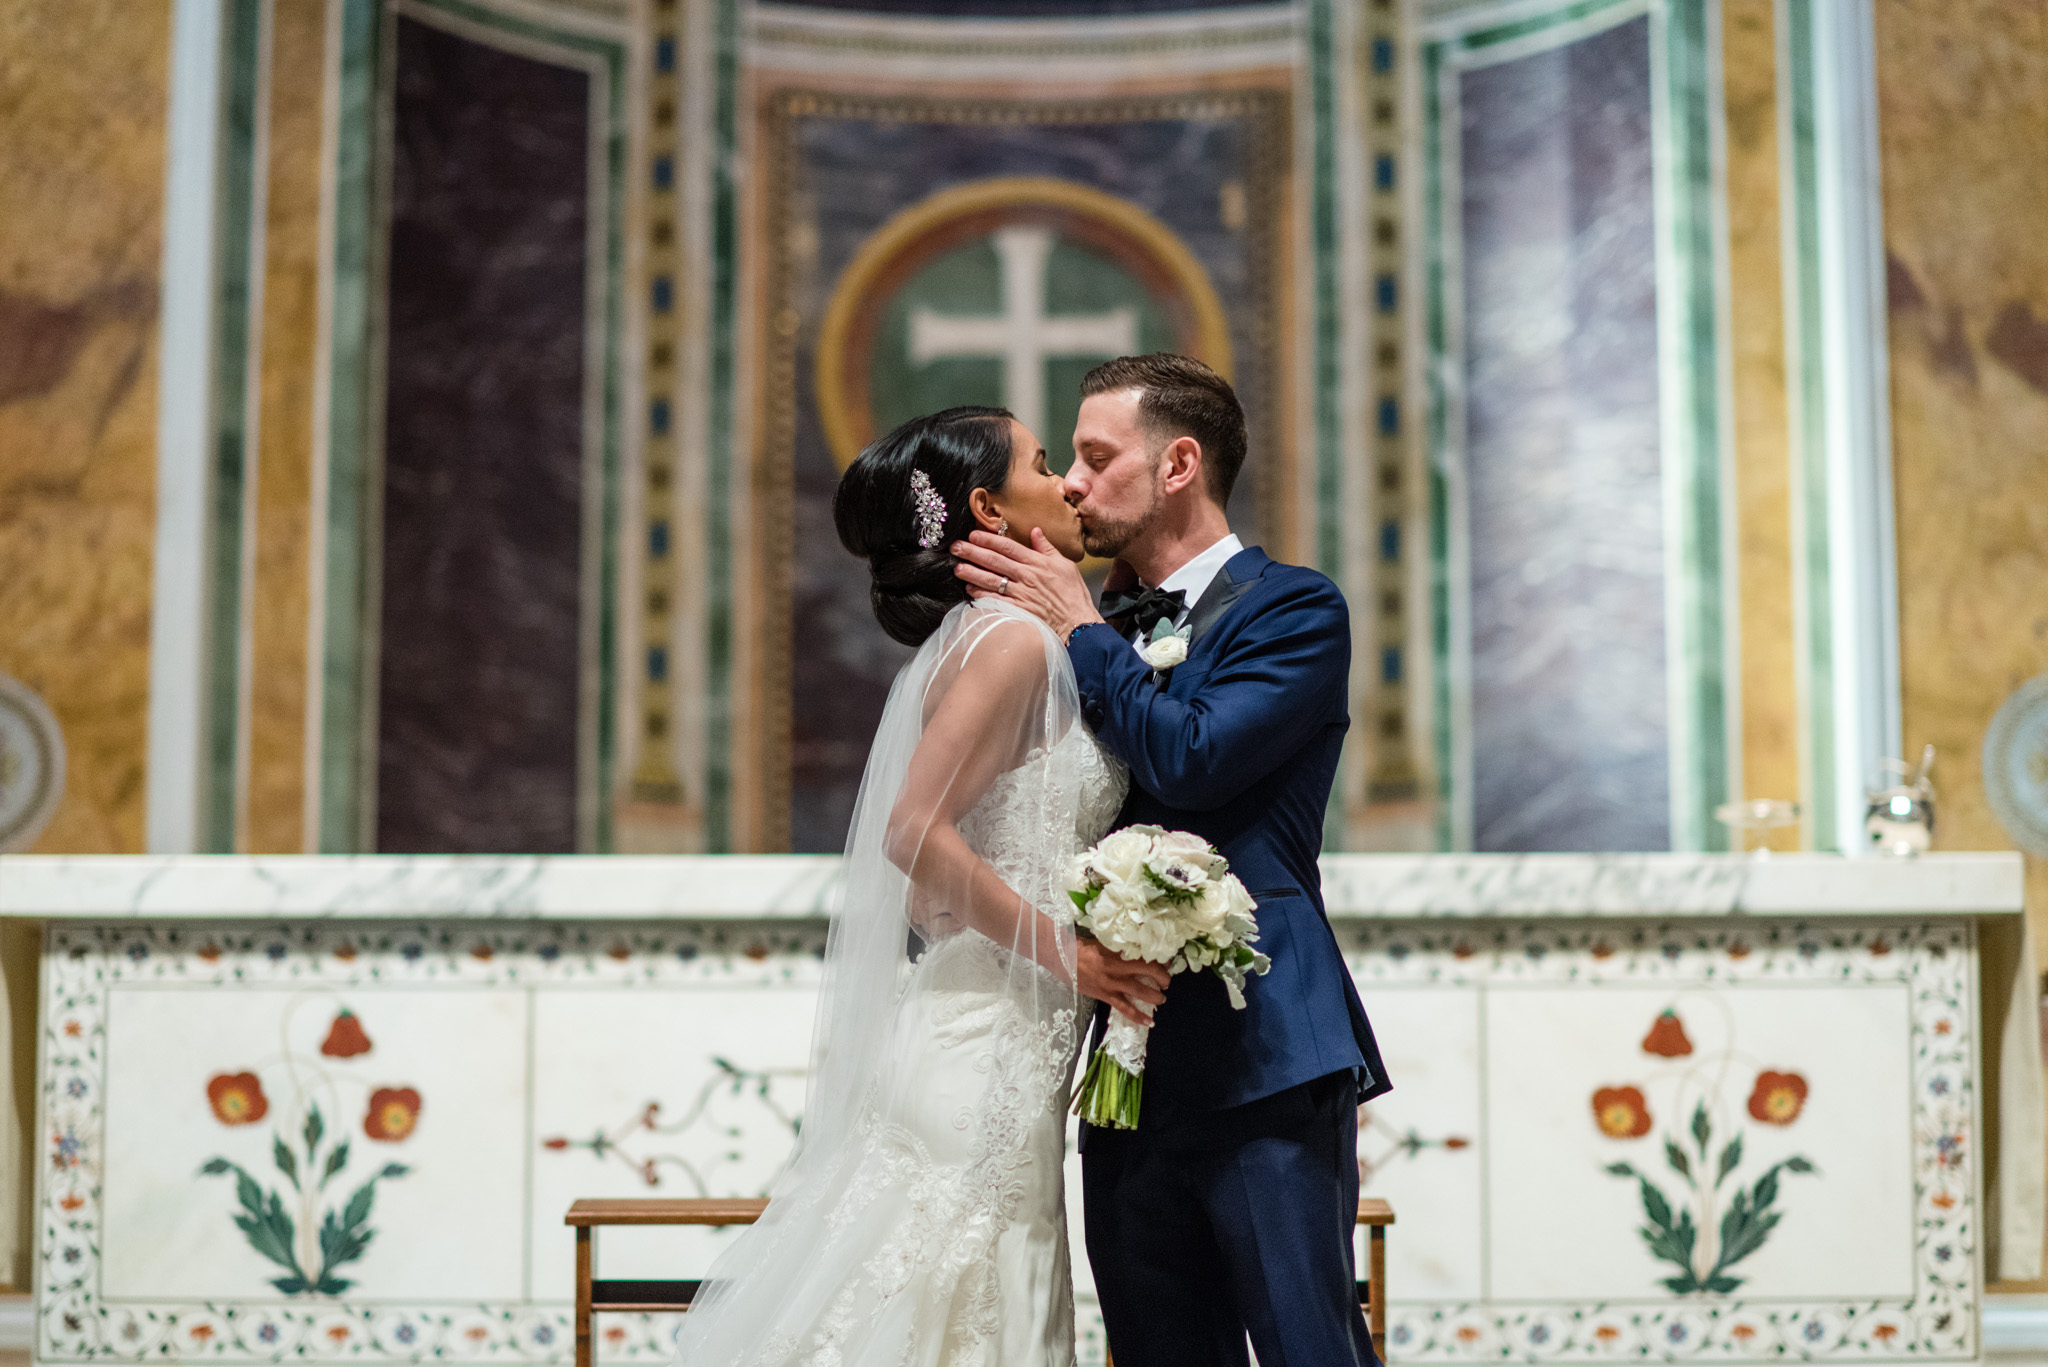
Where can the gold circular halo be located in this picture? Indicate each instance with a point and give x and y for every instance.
(1131, 237)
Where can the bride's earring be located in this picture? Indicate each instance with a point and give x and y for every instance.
(1003, 527)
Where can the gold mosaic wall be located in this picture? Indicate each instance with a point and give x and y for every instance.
(1963, 105)
(82, 100)
(273, 819)
(1763, 513)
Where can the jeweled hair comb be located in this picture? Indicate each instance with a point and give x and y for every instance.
(931, 509)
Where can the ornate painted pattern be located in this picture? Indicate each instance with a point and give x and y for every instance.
(85, 963)
(1933, 961)
(370, 967)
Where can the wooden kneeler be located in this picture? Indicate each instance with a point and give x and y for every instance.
(593, 1296)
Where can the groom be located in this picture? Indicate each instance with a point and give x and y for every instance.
(1230, 1209)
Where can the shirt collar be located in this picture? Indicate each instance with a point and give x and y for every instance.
(1193, 578)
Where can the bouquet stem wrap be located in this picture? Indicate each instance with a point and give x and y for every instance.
(1166, 897)
(1114, 1084)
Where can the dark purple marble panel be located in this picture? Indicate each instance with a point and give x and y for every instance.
(479, 663)
(1565, 497)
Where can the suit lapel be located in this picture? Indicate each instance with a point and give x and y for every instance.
(1238, 574)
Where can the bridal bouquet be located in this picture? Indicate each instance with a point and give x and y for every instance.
(1169, 898)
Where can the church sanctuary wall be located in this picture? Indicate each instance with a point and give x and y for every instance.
(1146, 192)
(1963, 94)
(83, 87)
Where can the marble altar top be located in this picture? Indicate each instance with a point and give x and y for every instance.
(632, 887)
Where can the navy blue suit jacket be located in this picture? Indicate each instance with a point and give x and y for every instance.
(1239, 745)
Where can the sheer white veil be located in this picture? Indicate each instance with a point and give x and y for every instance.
(951, 898)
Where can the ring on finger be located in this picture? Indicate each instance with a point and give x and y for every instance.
(1002, 583)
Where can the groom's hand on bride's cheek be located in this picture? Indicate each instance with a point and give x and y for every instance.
(1036, 578)
(1123, 983)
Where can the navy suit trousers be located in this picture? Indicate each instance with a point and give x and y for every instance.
(1213, 1224)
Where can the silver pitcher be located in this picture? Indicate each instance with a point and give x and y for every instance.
(1899, 820)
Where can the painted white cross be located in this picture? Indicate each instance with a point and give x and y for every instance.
(1023, 336)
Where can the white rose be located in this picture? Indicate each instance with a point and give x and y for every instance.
(1120, 858)
(1207, 913)
(1192, 848)
(1166, 652)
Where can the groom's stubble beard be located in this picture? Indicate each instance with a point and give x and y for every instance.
(1109, 539)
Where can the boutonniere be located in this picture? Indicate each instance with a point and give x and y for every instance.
(1168, 647)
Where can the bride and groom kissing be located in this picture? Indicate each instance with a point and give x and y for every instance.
(922, 1219)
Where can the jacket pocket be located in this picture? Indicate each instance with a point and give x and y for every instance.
(1262, 894)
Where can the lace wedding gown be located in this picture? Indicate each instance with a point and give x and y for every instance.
(930, 1231)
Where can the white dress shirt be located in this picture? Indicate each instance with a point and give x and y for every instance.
(1193, 579)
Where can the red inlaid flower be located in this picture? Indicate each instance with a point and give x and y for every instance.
(345, 953)
(394, 1111)
(200, 1333)
(1742, 1333)
(482, 953)
(345, 1038)
(1607, 1333)
(1667, 1036)
(237, 1098)
(1621, 1112)
(557, 1143)
(1457, 1141)
(1777, 1098)
(1885, 1333)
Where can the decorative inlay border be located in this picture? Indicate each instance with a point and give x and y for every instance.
(1934, 960)
(86, 962)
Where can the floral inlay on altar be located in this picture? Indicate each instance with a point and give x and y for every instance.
(1702, 1251)
(297, 1225)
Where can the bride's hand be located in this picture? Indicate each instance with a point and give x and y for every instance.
(1121, 982)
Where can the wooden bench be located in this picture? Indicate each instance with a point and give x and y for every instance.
(593, 1296)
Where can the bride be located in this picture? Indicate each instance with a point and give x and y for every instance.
(922, 1221)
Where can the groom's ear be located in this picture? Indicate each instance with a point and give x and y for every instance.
(1181, 462)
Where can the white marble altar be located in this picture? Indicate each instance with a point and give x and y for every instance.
(486, 1039)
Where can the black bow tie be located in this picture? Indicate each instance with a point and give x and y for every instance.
(1141, 611)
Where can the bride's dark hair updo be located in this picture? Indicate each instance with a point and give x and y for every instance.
(959, 450)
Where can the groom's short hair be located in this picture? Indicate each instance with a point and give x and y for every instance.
(1180, 397)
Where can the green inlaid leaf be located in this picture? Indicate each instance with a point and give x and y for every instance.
(1700, 1128)
(1730, 1156)
(287, 1161)
(336, 1161)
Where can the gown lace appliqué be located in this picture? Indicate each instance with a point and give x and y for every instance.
(948, 1247)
